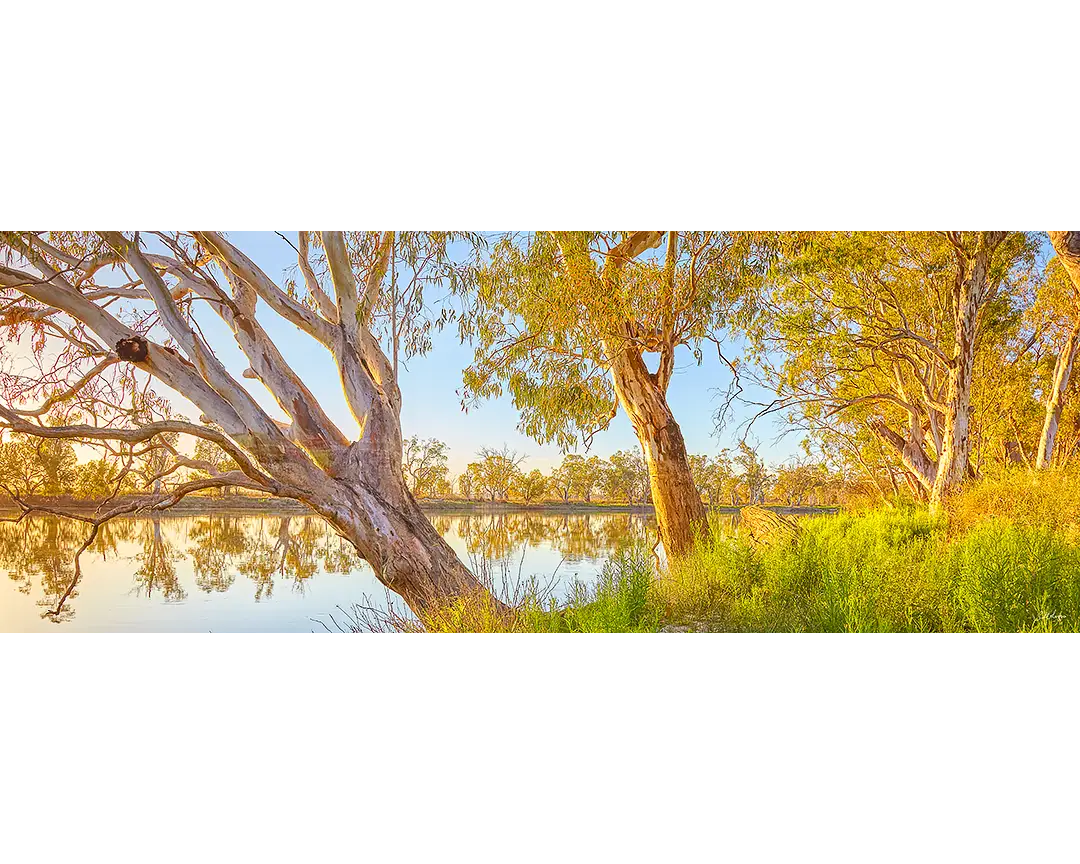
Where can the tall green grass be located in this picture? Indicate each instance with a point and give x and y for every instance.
(619, 601)
(889, 571)
(1005, 557)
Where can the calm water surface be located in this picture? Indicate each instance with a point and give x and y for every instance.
(264, 572)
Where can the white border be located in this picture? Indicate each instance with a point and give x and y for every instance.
(498, 115)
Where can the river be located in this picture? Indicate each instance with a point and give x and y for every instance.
(265, 572)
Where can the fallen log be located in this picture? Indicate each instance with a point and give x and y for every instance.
(767, 528)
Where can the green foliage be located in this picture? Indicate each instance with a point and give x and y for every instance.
(547, 317)
(1009, 577)
(861, 331)
(422, 264)
(625, 477)
(496, 472)
(802, 482)
(889, 570)
(617, 603)
(209, 452)
(96, 479)
(845, 574)
(529, 487)
(469, 481)
(37, 466)
(424, 464)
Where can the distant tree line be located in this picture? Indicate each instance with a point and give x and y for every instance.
(729, 478)
(51, 468)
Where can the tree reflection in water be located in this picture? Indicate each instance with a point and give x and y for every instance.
(168, 557)
(158, 563)
(43, 549)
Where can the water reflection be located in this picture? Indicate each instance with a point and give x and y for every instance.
(157, 570)
(225, 571)
(498, 537)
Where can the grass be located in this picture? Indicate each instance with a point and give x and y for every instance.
(1005, 557)
(619, 602)
(889, 571)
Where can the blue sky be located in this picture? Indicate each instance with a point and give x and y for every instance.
(431, 387)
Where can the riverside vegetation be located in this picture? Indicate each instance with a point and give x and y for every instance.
(1004, 557)
(918, 366)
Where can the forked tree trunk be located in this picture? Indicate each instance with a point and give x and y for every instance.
(952, 462)
(956, 440)
(359, 486)
(1067, 246)
(952, 437)
(920, 471)
(369, 503)
(1055, 401)
(680, 515)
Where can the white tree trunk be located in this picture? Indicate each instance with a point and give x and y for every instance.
(357, 486)
(1055, 400)
(1067, 246)
(971, 292)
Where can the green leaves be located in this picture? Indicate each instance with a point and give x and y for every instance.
(549, 310)
(862, 325)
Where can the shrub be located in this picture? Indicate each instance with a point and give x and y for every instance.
(1046, 499)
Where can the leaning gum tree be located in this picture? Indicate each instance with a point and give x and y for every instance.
(104, 316)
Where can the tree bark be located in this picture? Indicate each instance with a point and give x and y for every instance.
(681, 516)
(1067, 246)
(357, 486)
(392, 533)
(919, 469)
(971, 291)
(1055, 401)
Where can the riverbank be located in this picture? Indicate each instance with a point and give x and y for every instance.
(451, 506)
(1005, 557)
(245, 504)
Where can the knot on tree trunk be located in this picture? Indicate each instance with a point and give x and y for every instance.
(767, 528)
(133, 349)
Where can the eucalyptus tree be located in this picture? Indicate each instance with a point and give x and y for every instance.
(418, 262)
(469, 482)
(1064, 295)
(623, 474)
(798, 480)
(588, 476)
(424, 464)
(31, 466)
(631, 473)
(715, 478)
(111, 315)
(699, 468)
(497, 471)
(754, 474)
(564, 478)
(880, 330)
(530, 487)
(568, 322)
